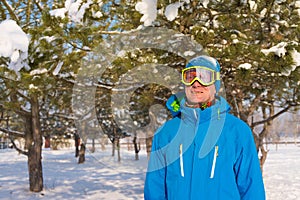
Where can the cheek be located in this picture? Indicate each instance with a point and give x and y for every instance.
(188, 94)
(212, 90)
(212, 93)
(187, 91)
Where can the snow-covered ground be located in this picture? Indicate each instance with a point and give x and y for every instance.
(282, 172)
(102, 177)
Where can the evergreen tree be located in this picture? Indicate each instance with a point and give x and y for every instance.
(242, 36)
(39, 95)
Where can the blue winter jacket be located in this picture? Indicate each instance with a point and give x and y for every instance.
(203, 155)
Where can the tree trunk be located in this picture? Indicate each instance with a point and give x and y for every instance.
(150, 132)
(47, 142)
(81, 154)
(137, 148)
(103, 142)
(118, 149)
(113, 147)
(35, 149)
(149, 145)
(264, 133)
(263, 157)
(77, 144)
(28, 131)
(93, 146)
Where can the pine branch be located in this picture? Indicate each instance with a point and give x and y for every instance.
(10, 10)
(28, 9)
(11, 132)
(37, 3)
(272, 117)
(17, 148)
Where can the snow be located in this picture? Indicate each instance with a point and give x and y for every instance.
(58, 68)
(59, 12)
(263, 12)
(13, 44)
(33, 87)
(253, 6)
(38, 71)
(279, 49)
(48, 39)
(74, 9)
(246, 66)
(189, 53)
(205, 3)
(12, 38)
(296, 57)
(282, 174)
(171, 11)
(102, 177)
(148, 9)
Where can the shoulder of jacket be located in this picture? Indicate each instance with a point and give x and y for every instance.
(173, 123)
(238, 128)
(169, 128)
(237, 121)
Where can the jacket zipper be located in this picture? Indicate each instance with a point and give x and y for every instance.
(181, 161)
(212, 173)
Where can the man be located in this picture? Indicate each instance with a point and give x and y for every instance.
(203, 152)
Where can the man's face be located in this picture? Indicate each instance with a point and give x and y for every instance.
(197, 93)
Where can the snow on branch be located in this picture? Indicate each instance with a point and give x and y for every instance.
(148, 9)
(280, 51)
(14, 45)
(74, 10)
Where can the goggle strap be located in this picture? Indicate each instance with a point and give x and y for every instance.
(217, 75)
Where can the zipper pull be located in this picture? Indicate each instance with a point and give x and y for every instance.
(212, 173)
(181, 161)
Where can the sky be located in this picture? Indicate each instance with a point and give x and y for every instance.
(102, 177)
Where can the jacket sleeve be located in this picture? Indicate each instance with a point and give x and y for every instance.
(154, 188)
(247, 168)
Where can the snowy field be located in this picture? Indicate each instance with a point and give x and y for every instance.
(102, 177)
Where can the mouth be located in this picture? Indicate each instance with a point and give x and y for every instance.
(197, 92)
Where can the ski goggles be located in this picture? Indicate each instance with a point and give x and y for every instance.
(204, 75)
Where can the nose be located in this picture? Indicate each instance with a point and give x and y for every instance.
(197, 84)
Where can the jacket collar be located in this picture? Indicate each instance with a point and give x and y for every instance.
(213, 112)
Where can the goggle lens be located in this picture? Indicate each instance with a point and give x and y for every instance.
(204, 75)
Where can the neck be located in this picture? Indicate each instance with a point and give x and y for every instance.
(202, 106)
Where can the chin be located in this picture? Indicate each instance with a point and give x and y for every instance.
(196, 101)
